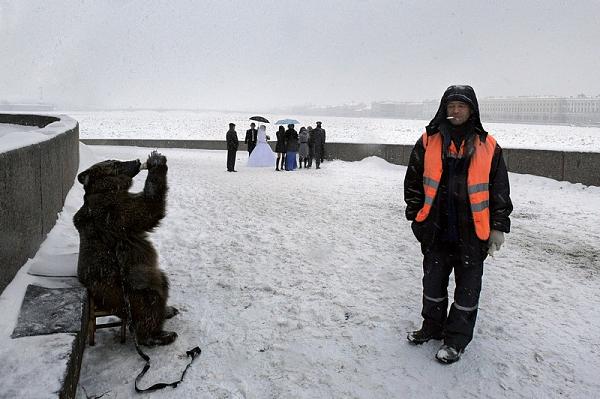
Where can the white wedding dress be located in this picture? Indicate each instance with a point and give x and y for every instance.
(262, 154)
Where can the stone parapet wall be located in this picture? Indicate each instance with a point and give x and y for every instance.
(34, 182)
(574, 167)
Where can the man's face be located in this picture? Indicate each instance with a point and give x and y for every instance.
(252, 126)
(459, 111)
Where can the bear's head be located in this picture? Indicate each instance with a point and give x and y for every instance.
(109, 175)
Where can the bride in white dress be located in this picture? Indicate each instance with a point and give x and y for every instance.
(262, 154)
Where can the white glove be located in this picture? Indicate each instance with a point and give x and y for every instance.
(495, 241)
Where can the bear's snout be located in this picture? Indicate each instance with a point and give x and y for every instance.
(130, 168)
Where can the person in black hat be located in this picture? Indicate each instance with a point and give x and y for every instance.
(311, 146)
(323, 137)
(232, 146)
(317, 141)
(457, 196)
(250, 139)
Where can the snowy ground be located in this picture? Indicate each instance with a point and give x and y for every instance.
(177, 125)
(303, 284)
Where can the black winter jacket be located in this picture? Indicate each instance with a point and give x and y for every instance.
(434, 229)
(280, 146)
(232, 140)
(291, 140)
(430, 230)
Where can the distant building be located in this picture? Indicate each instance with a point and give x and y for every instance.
(579, 110)
(561, 110)
(390, 109)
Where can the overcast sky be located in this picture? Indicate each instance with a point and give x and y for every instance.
(253, 55)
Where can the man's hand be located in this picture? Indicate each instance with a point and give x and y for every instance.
(495, 241)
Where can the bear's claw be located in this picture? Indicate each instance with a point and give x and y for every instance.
(155, 159)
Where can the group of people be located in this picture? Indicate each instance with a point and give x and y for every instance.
(308, 144)
(457, 196)
(294, 149)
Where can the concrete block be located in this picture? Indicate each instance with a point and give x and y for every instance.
(393, 153)
(537, 162)
(582, 167)
(51, 310)
(51, 181)
(406, 151)
(506, 155)
(48, 311)
(20, 211)
(34, 181)
(69, 154)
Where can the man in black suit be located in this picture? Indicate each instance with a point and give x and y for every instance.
(232, 146)
(317, 140)
(323, 137)
(250, 139)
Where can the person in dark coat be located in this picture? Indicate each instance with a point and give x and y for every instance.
(303, 149)
(280, 148)
(232, 146)
(311, 147)
(457, 196)
(316, 140)
(324, 136)
(250, 139)
(291, 145)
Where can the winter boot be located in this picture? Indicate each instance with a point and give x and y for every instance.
(277, 164)
(448, 354)
(423, 335)
(300, 163)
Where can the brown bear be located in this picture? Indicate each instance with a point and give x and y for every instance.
(117, 262)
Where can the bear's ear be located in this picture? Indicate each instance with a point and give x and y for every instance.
(84, 178)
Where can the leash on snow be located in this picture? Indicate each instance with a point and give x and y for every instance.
(192, 353)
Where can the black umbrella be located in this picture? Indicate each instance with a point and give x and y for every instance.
(259, 119)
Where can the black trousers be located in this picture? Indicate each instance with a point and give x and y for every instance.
(231, 159)
(457, 325)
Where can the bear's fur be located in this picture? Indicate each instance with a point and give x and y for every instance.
(116, 259)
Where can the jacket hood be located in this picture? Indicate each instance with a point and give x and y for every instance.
(463, 93)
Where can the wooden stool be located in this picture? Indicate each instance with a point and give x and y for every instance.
(92, 326)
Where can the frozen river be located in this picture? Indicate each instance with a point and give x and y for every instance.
(213, 125)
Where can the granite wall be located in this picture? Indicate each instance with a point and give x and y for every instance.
(34, 182)
(575, 167)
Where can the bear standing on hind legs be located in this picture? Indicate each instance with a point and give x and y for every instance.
(116, 259)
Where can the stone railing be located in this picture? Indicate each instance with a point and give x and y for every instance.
(35, 180)
(574, 167)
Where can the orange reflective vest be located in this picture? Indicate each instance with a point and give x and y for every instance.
(478, 176)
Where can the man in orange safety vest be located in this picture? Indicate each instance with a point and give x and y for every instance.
(457, 196)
